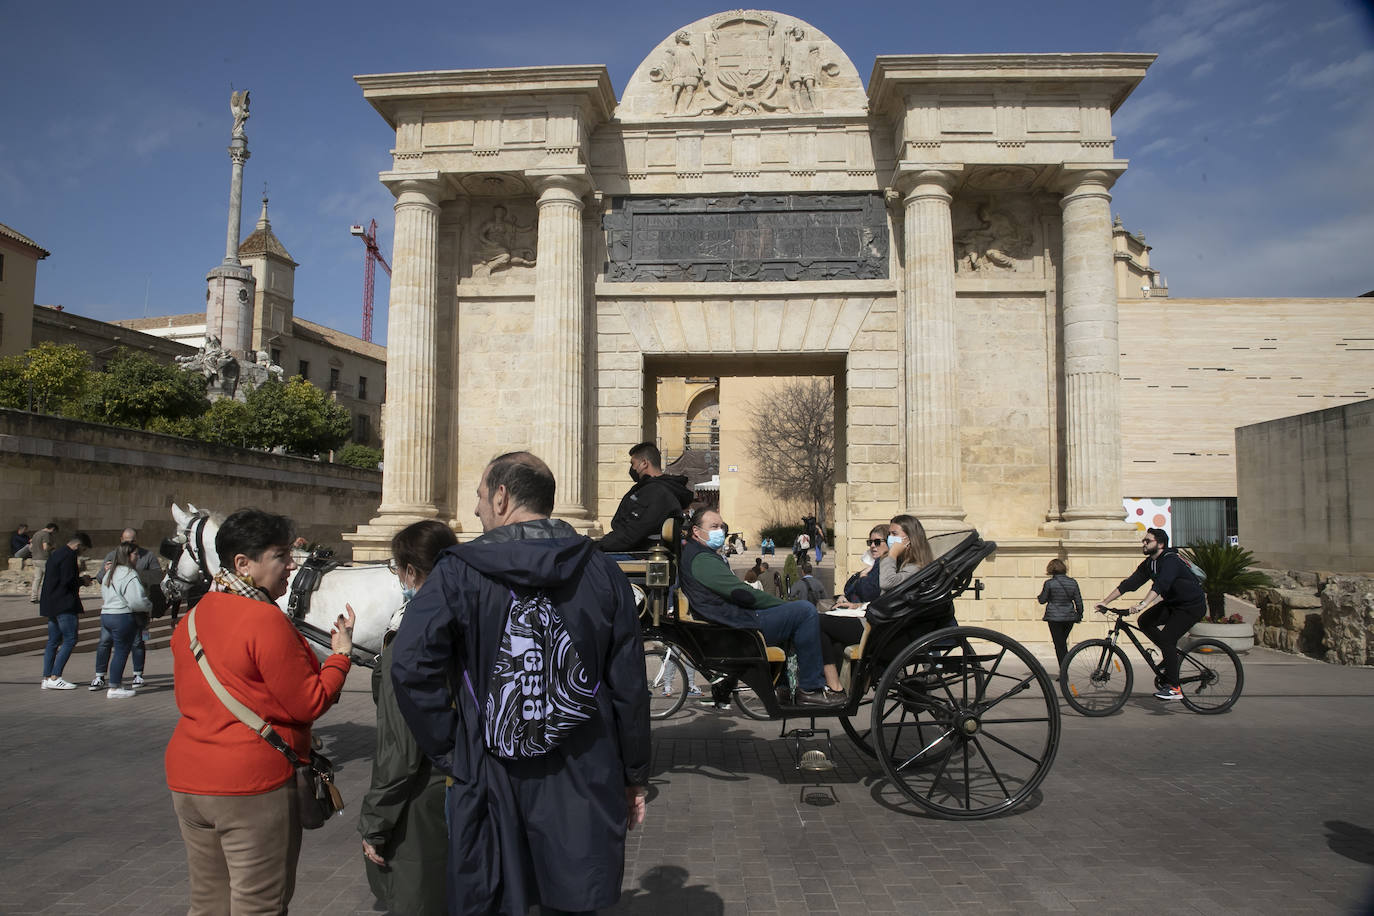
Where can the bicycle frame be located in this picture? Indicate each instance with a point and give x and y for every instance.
(1122, 624)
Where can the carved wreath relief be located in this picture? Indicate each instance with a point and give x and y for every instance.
(990, 237)
(743, 65)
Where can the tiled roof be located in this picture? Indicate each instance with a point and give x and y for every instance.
(338, 339)
(7, 232)
(161, 321)
(264, 241)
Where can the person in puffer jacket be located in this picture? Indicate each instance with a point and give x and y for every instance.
(1063, 606)
(122, 597)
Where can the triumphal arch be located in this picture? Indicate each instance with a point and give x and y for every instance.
(940, 243)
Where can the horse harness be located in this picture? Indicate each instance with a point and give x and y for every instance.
(303, 585)
(193, 540)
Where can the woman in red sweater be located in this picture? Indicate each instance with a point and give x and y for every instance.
(234, 794)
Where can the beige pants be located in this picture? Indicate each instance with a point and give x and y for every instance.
(241, 851)
(38, 569)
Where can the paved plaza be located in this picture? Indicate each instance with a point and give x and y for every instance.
(1267, 809)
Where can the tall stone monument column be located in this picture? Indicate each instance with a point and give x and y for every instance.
(412, 432)
(933, 490)
(1092, 373)
(559, 317)
(230, 286)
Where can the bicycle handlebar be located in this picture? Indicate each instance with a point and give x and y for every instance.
(1120, 612)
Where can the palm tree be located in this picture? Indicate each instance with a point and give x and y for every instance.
(1227, 567)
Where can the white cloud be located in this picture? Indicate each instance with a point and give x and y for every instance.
(1146, 111)
(1203, 69)
(1163, 145)
(1332, 76)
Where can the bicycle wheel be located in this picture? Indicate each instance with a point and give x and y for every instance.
(667, 683)
(747, 701)
(1096, 678)
(965, 723)
(1211, 676)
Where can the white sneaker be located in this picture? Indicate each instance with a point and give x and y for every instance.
(120, 693)
(57, 683)
(98, 683)
(139, 681)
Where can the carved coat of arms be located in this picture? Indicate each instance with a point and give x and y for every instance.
(739, 67)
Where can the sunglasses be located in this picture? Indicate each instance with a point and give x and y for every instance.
(393, 566)
(876, 542)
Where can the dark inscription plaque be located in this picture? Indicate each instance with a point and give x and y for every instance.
(747, 237)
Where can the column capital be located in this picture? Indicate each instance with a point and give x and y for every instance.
(926, 179)
(560, 183)
(1093, 178)
(419, 187)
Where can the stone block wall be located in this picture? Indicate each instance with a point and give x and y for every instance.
(103, 478)
(1318, 614)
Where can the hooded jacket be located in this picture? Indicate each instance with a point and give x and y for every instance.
(548, 830)
(643, 511)
(1170, 579)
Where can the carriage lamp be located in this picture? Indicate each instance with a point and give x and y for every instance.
(657, 570)
(978, 587)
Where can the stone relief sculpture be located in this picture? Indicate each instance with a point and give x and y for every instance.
(224, 373)
(238, 107)
(997, 240)
(503, 242)
(686, 70)
(802, 63)
(741, 66)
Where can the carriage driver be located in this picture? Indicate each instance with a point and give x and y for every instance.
(717, 595)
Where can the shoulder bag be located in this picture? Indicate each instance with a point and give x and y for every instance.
(316, 795)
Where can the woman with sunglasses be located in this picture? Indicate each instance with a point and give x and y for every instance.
(405, 840)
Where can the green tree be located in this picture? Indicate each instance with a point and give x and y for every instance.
(357, 455)
(134, 390)
(299, 417)
(227, 422)
(47, 379)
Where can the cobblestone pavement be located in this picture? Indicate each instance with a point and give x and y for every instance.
(1267, 809)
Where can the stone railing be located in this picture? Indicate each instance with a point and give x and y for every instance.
(1320, 615)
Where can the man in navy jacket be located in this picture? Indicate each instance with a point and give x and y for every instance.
(60, 602)
(549, 829)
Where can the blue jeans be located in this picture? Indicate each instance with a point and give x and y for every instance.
(61, 642)
(125, 633)
(102, 651)
(798, 622)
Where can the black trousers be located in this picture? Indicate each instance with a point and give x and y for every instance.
(836, 634)
(1059, 632)
(1165, 625)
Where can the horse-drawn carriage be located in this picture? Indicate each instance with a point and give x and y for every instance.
(963, 720)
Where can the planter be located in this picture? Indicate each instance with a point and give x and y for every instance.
(1239, 636)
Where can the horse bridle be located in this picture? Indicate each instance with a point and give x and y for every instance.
(192, 540)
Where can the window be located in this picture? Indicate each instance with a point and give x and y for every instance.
(303, 369)
(333, 379)
(276, 356)
(2, 266)
(362, 428)
(2, 330)
(1202, 519)
(362, 388)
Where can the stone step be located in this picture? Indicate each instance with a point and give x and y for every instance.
(32, 637)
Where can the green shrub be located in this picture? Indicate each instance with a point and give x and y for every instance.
(1227, 567)
(356, 455)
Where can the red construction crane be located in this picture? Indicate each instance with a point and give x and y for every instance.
(374, 255)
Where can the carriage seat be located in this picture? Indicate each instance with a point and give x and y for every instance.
(638, 564)
(684, 615)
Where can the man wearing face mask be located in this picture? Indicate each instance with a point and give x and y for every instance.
(654, 497)
(714, 593)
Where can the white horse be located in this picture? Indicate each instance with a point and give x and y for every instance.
(372, 591)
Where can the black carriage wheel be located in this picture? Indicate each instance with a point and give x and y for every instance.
(667, 682)
(1211, 676)
(965, 723)
(859, 726)
(1096, 678)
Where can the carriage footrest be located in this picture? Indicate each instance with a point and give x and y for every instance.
(812, 750)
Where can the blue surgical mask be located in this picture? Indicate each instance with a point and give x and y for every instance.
(407, 593)
(893, 540)
(716, 539)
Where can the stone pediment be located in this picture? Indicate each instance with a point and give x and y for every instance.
(743, 64)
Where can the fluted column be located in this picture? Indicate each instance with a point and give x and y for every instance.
(560, 408)
(1092, 372)
(933, 490)
(409, 473)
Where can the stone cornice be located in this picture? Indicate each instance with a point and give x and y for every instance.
(891, 71)
(388, 92)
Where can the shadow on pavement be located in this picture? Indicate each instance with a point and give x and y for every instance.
(663, 891)
(1354, 842)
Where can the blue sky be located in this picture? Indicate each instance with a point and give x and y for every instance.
(1250, 140)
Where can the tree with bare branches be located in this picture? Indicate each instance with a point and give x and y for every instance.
(793, 440)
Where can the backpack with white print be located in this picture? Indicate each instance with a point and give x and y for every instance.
(539, 688)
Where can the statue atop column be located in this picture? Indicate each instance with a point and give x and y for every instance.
(238, 107)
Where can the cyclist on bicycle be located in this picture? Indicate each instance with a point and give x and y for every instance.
(1174, 603)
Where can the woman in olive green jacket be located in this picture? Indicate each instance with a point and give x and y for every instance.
(405, 840)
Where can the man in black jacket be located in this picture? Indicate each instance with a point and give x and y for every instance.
(60, 602)
(1174, 603)
(654, 497)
